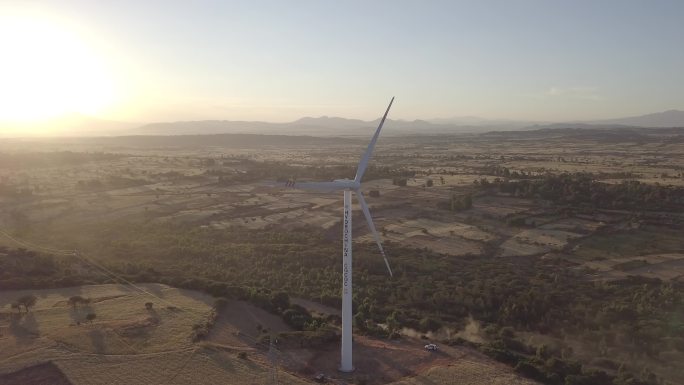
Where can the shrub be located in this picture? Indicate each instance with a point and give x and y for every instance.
(296, 318)
(429, 324)
(399, 182)
(27, 301)
(220, 303)
(530, 370)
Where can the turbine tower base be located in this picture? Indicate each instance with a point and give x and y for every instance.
(340, 369)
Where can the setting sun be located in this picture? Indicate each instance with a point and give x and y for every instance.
(48, 70)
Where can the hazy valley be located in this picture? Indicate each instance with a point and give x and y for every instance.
(536, 249)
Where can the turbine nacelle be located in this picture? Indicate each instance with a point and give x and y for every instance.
(335, 185)
(347, 184)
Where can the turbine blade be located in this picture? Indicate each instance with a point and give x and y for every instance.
(369, 219)
(369, 151)
(315, 186)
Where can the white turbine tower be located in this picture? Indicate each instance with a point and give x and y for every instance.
(347, 186)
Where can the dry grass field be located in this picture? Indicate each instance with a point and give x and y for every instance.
(126, 343)
(123, 325)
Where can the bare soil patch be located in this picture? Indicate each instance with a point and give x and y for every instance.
(42, 374)
(376, 361)
(240, 324)
(379, 362)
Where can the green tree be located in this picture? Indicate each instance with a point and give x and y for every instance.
(27, 301)
(75, 300)
(280, 300)
(429, 324)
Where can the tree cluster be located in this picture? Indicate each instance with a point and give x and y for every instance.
(428, 290)
(583, 190)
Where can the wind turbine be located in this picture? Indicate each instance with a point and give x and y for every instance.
(347, 186)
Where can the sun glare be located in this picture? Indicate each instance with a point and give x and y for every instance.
(48, 70)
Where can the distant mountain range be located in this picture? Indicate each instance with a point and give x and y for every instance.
(351, 127)
(670, 118)
(323, 126)
(77, 125)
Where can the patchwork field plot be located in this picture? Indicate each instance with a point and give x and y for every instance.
(625, 243)
(499, 207)
(662, 266)
(554, 239)
(514, 248)
(440, 229)
(451, 246)
(575, 225)
(449, 238)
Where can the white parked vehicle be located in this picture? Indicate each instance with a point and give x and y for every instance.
(431, 347)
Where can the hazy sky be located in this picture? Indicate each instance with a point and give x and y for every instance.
(281, 60)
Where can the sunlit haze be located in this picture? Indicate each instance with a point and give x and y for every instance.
(49, 70)
(279, 61)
